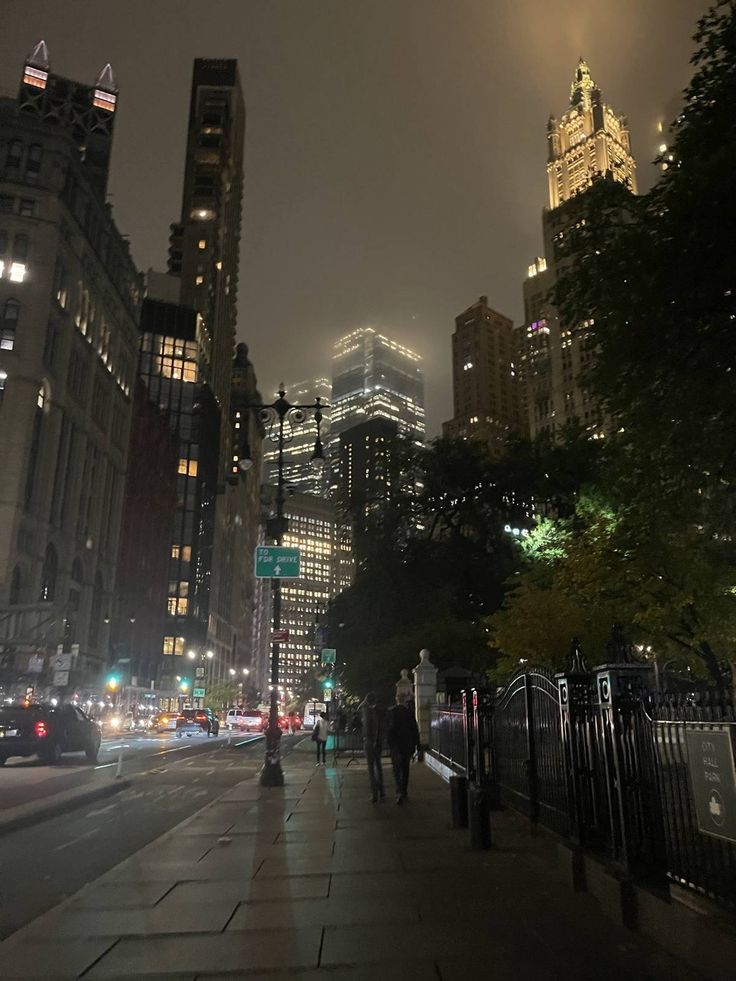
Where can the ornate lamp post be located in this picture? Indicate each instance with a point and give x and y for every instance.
(280, 418)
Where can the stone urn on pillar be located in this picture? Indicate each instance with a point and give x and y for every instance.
(425, 694)
(404, 688)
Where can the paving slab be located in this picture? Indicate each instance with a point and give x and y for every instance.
(139, 958)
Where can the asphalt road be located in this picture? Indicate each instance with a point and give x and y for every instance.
(41, 865)
(25, 780)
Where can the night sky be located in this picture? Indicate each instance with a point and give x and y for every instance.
(395, 150)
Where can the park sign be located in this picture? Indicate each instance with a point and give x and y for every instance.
(277, 562)
(713, 778)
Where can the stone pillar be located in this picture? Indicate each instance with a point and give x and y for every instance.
(425, 694)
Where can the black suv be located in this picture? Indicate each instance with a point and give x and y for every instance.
(47, 731)
(193, 720)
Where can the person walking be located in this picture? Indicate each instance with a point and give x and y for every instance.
(402, 735)
(320, 734)
(371, 728)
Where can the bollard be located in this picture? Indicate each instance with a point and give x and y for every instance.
(119, 770)
(459, 801)
(480, 818)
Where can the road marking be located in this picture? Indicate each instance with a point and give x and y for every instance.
(104, 766)
(74, 841)
(101, 810)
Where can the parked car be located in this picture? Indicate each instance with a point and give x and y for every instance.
(191, 721)
(245, 720)
(48, 732)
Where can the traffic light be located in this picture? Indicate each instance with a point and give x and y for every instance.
(184, 685)
(328, 683)
(112, 682)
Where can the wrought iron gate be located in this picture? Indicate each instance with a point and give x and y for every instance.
(528, 757)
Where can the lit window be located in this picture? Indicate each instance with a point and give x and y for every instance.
(199, 280)
(188, 468)
(175, 551)
(17, 272)
(104, 100)
(35, 77)
(467, 366)
(202, 244)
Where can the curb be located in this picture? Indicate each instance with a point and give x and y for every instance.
(26, 815)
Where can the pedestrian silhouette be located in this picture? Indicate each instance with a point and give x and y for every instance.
(372, 739)
(320, 735)
(402, 735)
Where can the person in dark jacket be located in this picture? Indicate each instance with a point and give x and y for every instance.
(402, 734)
(372, 739)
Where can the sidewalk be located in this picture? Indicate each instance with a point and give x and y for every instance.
(314, 882)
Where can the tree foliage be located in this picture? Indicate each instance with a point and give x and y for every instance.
(655, 275)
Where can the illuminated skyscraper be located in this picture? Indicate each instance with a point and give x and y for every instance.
(589, 142)
(299, 474)
(484, 384)
(374, 377)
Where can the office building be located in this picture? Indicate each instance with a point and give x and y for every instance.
(191, 317)
(326, 569)
(169, 360)
(589, 142)
(485, 389)
(69, 312)
(138, 608)
(299, 474)
(375, 377)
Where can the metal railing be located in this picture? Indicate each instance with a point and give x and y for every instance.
(447, 736)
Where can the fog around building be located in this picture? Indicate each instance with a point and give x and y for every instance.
(395, 150)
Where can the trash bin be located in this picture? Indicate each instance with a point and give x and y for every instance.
(459, 801)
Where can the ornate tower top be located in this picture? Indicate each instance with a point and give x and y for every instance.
(589, 140)
(582, 86)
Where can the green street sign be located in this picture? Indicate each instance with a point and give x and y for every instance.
(329, 654)
(198, 693)
(277, 562)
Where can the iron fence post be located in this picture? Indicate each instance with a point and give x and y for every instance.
(531, 761)
(626, 751)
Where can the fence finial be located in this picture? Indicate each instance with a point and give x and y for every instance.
(577, 658)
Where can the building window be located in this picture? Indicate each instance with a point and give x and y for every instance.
(48, 575)
(15, 153)
(188, 468)
(17, 272)
(9, 324)
(95, 616)
(27, 208)
(7, 203)
(15, 587)
(173, 645)
(33, 161)
(20, 247)
(202, 244)
(3, 380)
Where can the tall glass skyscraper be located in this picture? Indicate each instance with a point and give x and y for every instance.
(299, 475)
(374, 377)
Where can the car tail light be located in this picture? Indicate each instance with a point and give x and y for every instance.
(40, 729)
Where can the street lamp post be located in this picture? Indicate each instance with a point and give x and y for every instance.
(200, 674)
(280, 418)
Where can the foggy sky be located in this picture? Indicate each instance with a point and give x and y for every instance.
(395, 149)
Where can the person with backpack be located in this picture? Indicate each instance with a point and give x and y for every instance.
(320, 734)
(372, 742)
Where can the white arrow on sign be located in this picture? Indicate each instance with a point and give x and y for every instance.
(277, 570)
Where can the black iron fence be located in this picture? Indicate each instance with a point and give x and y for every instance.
(597, 756)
